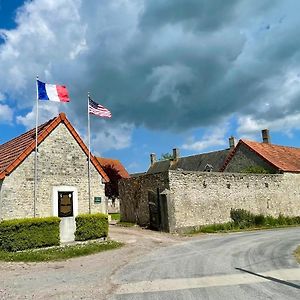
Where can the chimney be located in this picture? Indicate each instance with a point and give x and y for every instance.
(152, 158)
(175, 154)
(231, 142)
(266, 136)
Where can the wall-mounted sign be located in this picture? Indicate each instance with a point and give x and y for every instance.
(97, 200)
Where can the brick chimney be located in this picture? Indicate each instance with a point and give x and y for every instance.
(266, 136)
(176, 154)
(152, 159)
(231, 142)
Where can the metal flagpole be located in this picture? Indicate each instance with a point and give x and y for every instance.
(36, 149)
(89, 148)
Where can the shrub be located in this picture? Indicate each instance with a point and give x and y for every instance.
(21, 234)
(259, 220)
(255, 170)
(91, 226)
(242, 217)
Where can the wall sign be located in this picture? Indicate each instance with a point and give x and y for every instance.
(97, 200)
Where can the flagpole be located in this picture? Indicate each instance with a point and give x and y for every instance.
(36, 150)
(89, 148)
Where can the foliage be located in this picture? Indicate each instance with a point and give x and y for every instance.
(166, 156)
(115, 216)
(21, 234)
(59, 253)
(255, 170)
(111, 187)
(243, 219)
(126, 224)
(91, 226)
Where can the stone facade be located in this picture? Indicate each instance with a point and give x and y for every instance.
(244, 158)
(202, 198)
(206, 198)
(61, 163)
(134, 206)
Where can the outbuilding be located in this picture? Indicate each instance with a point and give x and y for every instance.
(62, 176)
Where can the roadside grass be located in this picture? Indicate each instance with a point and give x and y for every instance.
(297, 254)
(59, 253)
(245, 221)
(126, 224)
(115, 216)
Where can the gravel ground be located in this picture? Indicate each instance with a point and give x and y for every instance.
(84, 277)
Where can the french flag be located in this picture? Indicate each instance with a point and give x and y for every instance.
(52, 92)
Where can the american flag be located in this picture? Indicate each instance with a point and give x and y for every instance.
(98, 110)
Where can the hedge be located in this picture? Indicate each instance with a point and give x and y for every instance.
(21, 234)
(91, 226)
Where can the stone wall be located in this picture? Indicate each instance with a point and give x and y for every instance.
(62, 162)
(244, 158)
(133, 193)
(200, 198)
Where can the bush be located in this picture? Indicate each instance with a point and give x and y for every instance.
(242, 217)
(21, 234)
(259, 220)
(91, 226)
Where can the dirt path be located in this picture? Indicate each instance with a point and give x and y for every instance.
(84, 277)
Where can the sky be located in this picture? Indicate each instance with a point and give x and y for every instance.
(174, 73)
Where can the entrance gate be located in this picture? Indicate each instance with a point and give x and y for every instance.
(158, 211)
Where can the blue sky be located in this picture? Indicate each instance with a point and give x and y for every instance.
(174, 73)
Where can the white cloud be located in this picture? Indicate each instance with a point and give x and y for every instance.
(6, 114)
(46, 112)
(212, 138)
(109, 136)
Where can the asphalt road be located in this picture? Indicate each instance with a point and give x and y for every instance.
(250, 265)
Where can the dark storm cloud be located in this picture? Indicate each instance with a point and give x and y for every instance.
(166, 64)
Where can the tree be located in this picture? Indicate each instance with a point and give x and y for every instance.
(111, 187)
(166, 156)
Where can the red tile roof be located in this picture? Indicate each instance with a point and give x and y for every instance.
(286, 159)
(116, 164)
(14, 152)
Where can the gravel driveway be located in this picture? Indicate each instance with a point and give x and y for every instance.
(84, 277)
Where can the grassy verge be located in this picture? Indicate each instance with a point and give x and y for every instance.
(59, 253)
(297, 254)
(115, 216)
(232, 227)
(126, 224)
(243, 220)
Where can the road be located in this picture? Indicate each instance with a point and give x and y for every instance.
(249, 265)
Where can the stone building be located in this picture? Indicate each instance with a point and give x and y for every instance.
(172, 198)
(62, 181)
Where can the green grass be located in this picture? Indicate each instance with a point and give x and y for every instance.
(126, 224)
(59, 253)
(115, 216)
(297, 254)
(232, 227)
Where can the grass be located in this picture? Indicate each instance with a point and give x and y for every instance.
(297, 254)
(126, 224)
(59, 253)
(115, 216)
(232, 227)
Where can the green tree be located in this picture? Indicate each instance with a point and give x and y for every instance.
(166, 156)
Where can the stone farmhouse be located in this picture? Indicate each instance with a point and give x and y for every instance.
(62, 188)
(184, 193)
